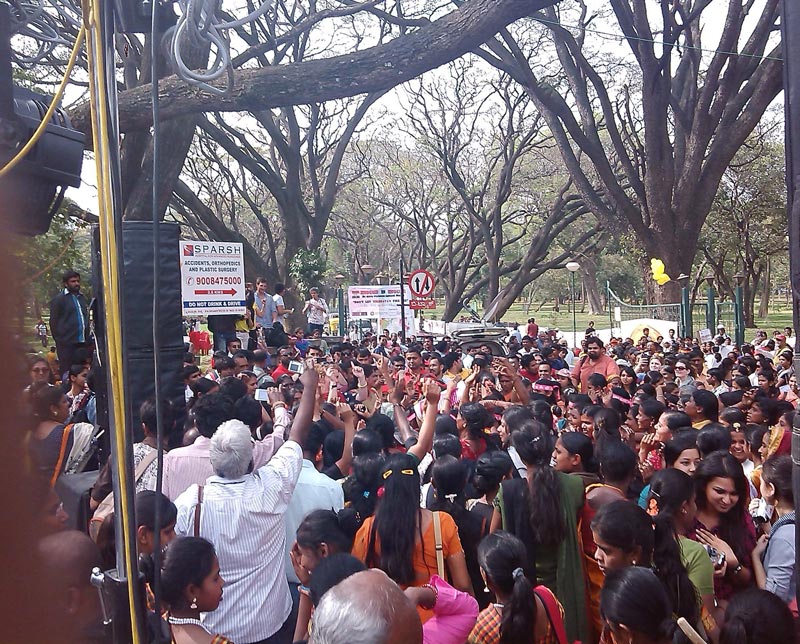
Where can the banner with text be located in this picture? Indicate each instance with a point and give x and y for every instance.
(212, 278)
(376, 301)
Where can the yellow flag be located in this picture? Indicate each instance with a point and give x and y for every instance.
(660, 277)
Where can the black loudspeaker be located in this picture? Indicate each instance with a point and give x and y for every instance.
(137, 319)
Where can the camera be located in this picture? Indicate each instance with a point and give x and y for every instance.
(295, 366)
(717, 557)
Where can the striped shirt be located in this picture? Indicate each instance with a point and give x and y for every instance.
(243, 518)
(191, 465)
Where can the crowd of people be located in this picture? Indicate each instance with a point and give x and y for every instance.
(426, 490)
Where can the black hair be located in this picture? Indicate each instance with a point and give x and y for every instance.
(675, 419)
(446, 444)
(361, 487)
(534, 444)
(210, 412)
(45, 398)
(626, 526)
(504, 559)
(68, 275)
(385, 427)
(597, 380)
(515, 416)
(618, 462)
(707, 402)
(331, 571)
(754, 434)
(326, 526)
(581, 445)
(396, 521)
(367, 441)
(742, 382)
(670, 489)
(445, 424)
(201, 386)
(777, 471)
(490, 469)
(540, 410)
(593, 339)
(248, 410)
(713, 438)
(476, 418)
(652, 408)
(223, 362)
(279, 288)
(634, 596)
(188, 370)
(232, 388)
(679, 443)
(76, 370)
(580, 401)
(769, 408)
(755, 616)
(145, 507)
(449, 359)
(187, 561)
(731, 524)
(332, 448)
(732, 415)
(630, 371)
(606, 427)
(449, 478)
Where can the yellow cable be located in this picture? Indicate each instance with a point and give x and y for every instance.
(108, 243)
(53, 105)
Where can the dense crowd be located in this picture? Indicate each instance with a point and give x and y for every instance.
(435, 491)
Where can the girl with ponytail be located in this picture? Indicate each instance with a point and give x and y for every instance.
(542, 511)
(190, 585)
(321, 534)
(523, 614)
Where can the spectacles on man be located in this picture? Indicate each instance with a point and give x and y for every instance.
(40, 370)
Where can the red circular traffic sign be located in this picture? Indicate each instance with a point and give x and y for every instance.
(421, 283)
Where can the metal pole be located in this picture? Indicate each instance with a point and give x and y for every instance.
(711, 306)
(790, 36)
(402, 301)
(342, 321)
(610, 312)
(738, 301)
(574, 323)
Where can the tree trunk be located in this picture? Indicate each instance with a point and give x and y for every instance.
(590, 286)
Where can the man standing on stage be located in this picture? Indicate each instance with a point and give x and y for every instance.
(69, 319)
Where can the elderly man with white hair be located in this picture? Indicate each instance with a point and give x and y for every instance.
(241, 512)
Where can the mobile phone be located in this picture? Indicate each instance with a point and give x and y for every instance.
(717, 557)
(295, 366)
(261, 394)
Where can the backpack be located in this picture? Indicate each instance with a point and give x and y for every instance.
(106, 506)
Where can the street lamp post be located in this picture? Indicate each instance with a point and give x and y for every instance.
(573, 267)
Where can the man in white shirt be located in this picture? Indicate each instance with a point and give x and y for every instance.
(315, 310)
(280, 305)
(190, 465)
(241, 513)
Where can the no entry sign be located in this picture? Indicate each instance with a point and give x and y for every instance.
(421, 283)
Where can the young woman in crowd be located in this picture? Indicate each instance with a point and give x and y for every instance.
(574, 454)
(522, 613)
(400, 537)
(321, 534)
(774, 555)
(756, 616)
(672, 505)
(635, 609)
(449, 481)
(628, 380)
(191, 584)
(625, 536)
(542, 510)
(723, 522)
(491, 469)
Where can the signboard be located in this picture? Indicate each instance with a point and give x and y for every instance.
(421, 283)
(376, 301)
(419, 303)
(212, 278)
(706, 335)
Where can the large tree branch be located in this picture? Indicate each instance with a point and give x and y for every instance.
(370, 70)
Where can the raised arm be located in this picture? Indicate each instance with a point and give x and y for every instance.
(348, 417)
(305, 411)
(424, 444)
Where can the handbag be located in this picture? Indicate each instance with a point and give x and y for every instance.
(106, 506)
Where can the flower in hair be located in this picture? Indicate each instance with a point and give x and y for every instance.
(381, 492)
